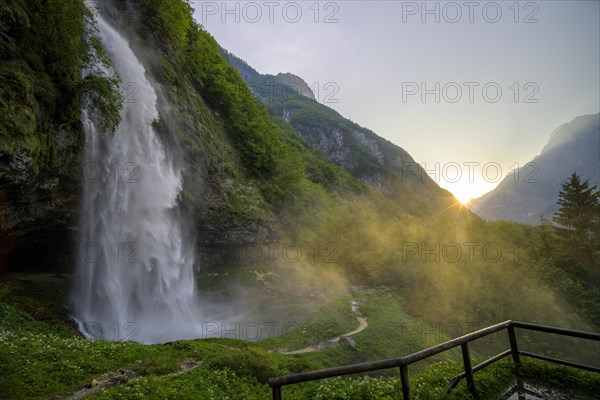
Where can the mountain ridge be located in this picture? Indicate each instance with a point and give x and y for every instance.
(370, 158)
(532, 193)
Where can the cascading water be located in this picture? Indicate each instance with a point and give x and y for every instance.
(135, 276)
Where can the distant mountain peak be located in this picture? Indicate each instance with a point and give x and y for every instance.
(266, 86)
(567, 131)
(533, 192)
(295, 83)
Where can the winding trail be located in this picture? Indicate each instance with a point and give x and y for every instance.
(331, 343)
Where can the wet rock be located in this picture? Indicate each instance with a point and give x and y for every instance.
(346, 341)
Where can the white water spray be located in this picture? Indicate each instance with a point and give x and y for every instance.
(135, 277)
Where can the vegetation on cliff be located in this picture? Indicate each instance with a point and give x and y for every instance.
(44, 48)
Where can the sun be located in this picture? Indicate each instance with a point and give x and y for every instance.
(465, 193)
(463, 199)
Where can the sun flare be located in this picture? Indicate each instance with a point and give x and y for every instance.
(465, 193)
(463, 199)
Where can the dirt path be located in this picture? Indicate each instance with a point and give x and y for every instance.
(362, 325)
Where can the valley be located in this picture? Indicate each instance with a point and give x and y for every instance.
(168, 229)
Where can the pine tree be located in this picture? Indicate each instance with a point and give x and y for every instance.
(579, 213)
(579, 206)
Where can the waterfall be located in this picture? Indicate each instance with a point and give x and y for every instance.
(135, 277)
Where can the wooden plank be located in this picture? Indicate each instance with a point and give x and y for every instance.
(405, 382)
(468, 368)
(512, 337)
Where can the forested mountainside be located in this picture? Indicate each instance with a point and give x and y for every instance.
(382, 165)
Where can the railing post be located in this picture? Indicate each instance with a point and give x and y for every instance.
(405, 382)
(512, 337)
(468, 368)
(276, 392)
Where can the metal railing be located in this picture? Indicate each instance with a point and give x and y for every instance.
(402, 363)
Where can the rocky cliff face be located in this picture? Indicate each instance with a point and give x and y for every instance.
(293, 84)
(39, 211)
(376, 162)
(269, 86)
(532, 192)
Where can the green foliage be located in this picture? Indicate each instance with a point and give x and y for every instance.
(41, 87)
(253, 132)
(498, 275)
(18, 107)
(317, 123)
(568, 271)
(578, 203)
(394, 333)
(200, 383)
(290, 175)
(579, 212)
(318, 168)
(333, 319)
(4, 289)
(169, 21)
(311, 117)
(429, 383)
(578, 381)
(38, 360)
(103, 99)
(359, 388)
(252, 362)
(566, 260)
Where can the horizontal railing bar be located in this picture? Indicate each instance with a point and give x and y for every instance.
(491, 360)
(277, 382)
(336, 371)
(559, 331)
(559, 361)
(385, 364)
(421, 355)
(456, 379)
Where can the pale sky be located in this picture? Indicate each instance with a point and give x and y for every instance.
(382, 56)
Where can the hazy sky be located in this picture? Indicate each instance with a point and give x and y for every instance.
(505, 73)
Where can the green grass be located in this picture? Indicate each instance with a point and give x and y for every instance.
(333, 319)
(393, 333)
(41, 296)
(429, 383)
(390, 332)
(40, 357)
(578, 381)
(201, 383)
(38, 360)
(225, 277)
(382, 339)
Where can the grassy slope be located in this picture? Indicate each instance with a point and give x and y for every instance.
(44, 358)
